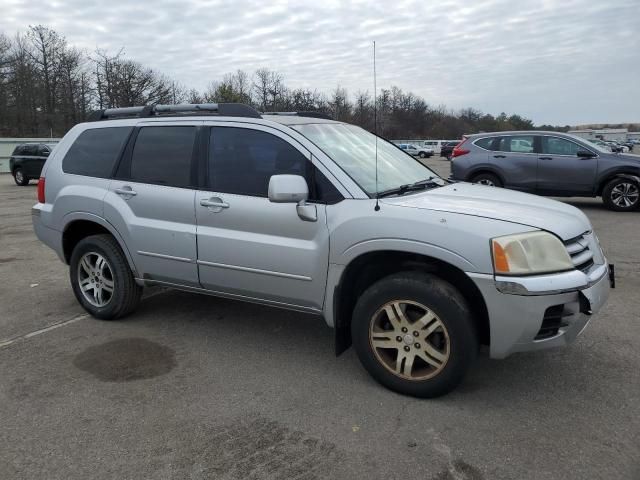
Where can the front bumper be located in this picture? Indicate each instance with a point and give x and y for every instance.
(522, 309)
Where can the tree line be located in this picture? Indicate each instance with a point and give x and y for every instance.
(47, 86)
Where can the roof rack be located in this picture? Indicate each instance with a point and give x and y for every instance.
(223, 109)
(302, 114)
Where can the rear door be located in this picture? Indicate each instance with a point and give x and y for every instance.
(151, 201)
(515, 158)
(248, 246)
(31, 161)
(561, 171)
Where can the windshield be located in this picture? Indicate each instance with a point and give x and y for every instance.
(354, 150)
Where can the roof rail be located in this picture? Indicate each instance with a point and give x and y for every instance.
(302, 114)
(223, 109)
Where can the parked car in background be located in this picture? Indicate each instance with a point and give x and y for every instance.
(447, 148)
(435, 145)
(297, 212)
(27, 160)
(416, 151)
(549, 163)
(601, 144)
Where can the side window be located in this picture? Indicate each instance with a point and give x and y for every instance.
(95, 151)
(485, 143)
(559, 146)
(162, 155)
(241, 161)
(31, 150)
(517, 144)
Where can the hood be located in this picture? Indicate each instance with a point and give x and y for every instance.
(501, 204)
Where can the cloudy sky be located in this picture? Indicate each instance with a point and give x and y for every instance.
(554, 61)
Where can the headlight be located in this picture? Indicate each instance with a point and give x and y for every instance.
(528, 253)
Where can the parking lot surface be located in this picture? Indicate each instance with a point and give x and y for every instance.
(197, 387)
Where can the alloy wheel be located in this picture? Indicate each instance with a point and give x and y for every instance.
(19, 176)
(95, 279)
(625, 195)
(409, 340)
(487, 182)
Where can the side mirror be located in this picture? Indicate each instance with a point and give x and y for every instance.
(585, 154)
(288, 189)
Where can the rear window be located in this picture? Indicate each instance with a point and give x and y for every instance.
(95, 151)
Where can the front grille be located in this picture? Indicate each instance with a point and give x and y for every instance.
(552, 322)
(580, 252)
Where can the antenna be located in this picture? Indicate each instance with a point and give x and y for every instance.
(375, 122)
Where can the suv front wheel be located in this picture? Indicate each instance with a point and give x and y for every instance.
(20, 178)
(621, 194)
(101, 278)
(414, 334)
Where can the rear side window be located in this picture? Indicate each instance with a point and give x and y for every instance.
(485, 143)
(95, 151)
(517, 144)
(162, 155)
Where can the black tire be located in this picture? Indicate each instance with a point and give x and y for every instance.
(422, 155)
(622, 195)
(488, 179)
(20, 178)
(444, 301)
(126, 292)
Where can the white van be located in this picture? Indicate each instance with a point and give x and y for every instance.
(435, 145)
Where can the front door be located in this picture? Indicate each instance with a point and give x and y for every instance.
(151, 203)
(561, 171)
(248, 246)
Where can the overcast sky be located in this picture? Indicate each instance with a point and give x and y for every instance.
(554, 61)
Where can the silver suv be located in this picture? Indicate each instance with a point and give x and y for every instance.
(290, 211)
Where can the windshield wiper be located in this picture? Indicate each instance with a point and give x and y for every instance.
(409, 187)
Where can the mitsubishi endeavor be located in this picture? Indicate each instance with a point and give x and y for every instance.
(305, 213)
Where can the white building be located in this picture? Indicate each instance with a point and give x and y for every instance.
(615, 134)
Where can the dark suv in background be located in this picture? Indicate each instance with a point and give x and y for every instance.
(549, 163)
(27, 160)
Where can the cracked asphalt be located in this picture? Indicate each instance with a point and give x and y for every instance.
(195, 387)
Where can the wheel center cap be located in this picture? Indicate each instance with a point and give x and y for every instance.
(408, 339)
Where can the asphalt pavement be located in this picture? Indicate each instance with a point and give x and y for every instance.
(195, 387)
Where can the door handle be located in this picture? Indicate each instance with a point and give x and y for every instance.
(126, 191)
(545, 158)
(499, 156)
(214, 202)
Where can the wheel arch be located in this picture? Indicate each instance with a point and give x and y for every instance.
(624, 173)
(369, 267)
(80, 225)
(485, 169)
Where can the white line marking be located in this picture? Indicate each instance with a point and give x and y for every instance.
(9, 341)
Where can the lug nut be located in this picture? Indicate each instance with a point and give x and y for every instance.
(406, 349)
(415, 334)
(417, 345)
(404, 329)
(399, 338)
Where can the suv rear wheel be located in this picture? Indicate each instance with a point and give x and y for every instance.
(101, 278)
(621, 194)
(20, 178)
(488, 179)
(414, 334)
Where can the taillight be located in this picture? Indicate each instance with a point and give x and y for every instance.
(458, 150)
(41, 190)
